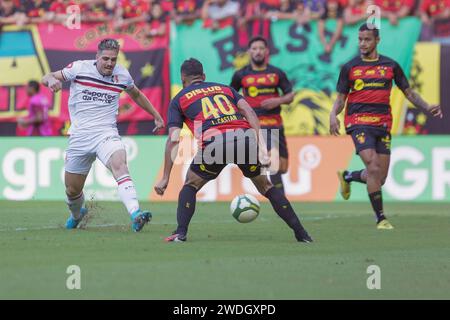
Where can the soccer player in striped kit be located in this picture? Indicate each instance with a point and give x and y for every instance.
(364, 88)
(265, 88)
(93, 106)
(228, 131)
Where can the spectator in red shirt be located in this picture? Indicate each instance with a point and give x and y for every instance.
(36, 10)
(157, 21)
(131, 11)
(167, 5)
(58, 9)
(356, 11)
(219, 13)
(11, 14)
(252, 10)
(186, 11)
(435, 15)
(99, 11)
(395, 9)
(274, 4)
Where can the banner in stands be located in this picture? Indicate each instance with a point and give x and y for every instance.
(430, 76)
(30, 52)
(33, 168)
(298, 51)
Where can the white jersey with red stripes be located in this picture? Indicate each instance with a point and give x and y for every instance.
(94, 98)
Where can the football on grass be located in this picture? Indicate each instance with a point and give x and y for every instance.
(244, 208)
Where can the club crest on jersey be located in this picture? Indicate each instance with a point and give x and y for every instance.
(387, 141)
(382, 70)
(115, 78)
(272, 77)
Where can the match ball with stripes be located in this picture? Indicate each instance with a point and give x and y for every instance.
(245, 208)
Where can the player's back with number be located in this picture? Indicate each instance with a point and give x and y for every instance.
(207, 105)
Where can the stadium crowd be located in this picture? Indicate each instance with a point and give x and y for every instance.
(435, 14)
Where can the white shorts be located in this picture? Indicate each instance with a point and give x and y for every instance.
(84, 148)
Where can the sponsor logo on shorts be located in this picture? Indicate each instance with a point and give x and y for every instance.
(387, 141)
(203, 168)
(361, 137)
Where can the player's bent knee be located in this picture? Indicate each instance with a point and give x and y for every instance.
(262, 184)
(72, 191)
(373, 170)
(264, 190)
(193, 184)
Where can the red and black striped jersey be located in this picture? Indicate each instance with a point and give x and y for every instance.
(368, 84)
(208, 109)
(259, 85)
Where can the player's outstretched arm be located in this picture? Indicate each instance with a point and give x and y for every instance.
(338, 106)
(170, 155)
(417, 101)
(142, 101)
(53, 80)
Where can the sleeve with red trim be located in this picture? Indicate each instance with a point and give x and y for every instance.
(71, 70)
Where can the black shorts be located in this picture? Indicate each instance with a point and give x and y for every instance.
(224, 150)
(371, 138)
(275, 138)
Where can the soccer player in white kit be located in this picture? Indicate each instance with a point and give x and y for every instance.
(93, 106)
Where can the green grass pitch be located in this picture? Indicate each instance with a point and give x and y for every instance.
(224, 259)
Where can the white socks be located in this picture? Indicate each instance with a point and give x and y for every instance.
(75, 204)
(127, 193)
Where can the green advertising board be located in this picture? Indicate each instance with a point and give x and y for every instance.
(419, 170)
(33, 168)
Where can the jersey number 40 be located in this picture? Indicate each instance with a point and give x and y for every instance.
(217, 106)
